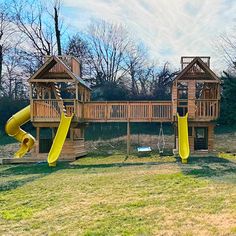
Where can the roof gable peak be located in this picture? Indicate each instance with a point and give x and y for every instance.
(196, 69)
(54, 65)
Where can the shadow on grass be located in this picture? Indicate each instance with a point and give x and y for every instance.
(206, 167)
(26, 173)
(210, 167)
(102, 154)
(118, 164)
(13, 184)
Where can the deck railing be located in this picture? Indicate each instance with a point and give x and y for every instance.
(50, 110)
(45, 109)
(127, 111)
(207, 108)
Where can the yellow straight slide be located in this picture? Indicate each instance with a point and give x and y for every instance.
(13, 129)
(59, 139)
(183, 137)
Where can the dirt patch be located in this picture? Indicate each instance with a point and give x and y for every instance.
(223, 143)
(7, 151)
(226, 142)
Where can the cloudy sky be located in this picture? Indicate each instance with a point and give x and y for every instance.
(169, 28)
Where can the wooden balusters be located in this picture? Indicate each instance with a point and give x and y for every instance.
(207, 109)
(123, 111)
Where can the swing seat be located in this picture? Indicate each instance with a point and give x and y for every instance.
(144, 149)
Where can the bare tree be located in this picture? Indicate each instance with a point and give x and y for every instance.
(6, 32)
(137, 65)
(79, 47)
(108, 46)
(33, 19)
(153, 82)
(29, 17)
(57, 27)
(227, 46)
(161, 82)
(55, 7)
(14, 82)
(112, 61)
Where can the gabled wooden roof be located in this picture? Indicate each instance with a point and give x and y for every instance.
(48, 65)
(202, 65)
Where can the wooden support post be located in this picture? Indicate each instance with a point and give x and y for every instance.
(38, 139)
(191, 99)
(128, 138)
(83, 131)
(76, 108)
(174, 100)
(31, 103)
(106, 111)
(150, 111)
(76, 91)
(89, 96)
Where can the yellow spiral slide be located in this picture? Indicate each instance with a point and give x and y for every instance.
(13, 129)
(183, 137)
(59, 139)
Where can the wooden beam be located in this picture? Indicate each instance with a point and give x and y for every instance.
(51, 80)
(77, 91)
(199, 80)
(37, 138)
(199, 76)
(56, 75)
(128, 138)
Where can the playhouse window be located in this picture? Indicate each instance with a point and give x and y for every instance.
(182, 90)
(206, 90)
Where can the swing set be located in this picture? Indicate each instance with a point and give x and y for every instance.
(160, 143)
(140, 148)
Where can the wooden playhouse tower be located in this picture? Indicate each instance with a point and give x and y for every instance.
(196, 90)
(57, 88)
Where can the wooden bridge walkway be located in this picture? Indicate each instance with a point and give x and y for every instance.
(140, 111)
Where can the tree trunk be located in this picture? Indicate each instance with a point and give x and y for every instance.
(1, 61)
(58, 33)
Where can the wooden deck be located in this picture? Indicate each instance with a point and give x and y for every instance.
(49, 110)
(127, 111)
(142, 111)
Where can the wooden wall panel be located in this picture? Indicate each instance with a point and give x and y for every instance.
(75, 66)
(71, 149)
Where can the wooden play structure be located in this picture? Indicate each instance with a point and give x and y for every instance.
(57, 88)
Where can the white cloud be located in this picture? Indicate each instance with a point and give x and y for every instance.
(170, 28)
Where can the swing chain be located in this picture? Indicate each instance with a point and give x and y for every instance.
(161, 140)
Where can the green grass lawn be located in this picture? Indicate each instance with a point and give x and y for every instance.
(113, 195)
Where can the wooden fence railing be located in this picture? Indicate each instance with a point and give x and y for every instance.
(207, 109)
(50, 110)
(124, 111)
